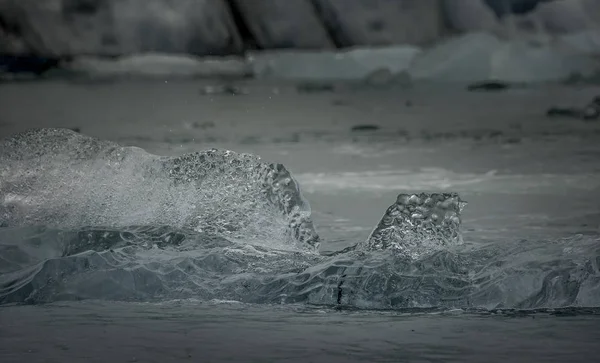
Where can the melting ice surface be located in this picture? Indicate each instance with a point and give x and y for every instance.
(88, 219)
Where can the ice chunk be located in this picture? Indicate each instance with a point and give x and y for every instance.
(192, 227)
(160, 65)
(480, 56)
(354, 64)
(510, 274)
(465, 59)
(56, 177)
(418, 224)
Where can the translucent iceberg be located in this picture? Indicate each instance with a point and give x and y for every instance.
(418, 224)
(56, 177)
(354, 64)
(462, 59)
(480, 56)
(82, 218)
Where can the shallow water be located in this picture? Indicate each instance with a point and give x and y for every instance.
(530, 234)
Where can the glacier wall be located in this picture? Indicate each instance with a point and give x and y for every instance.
(225, 27)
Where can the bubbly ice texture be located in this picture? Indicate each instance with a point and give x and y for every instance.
(418, 223)
(89, 219)
(57, 177)
(40, 265)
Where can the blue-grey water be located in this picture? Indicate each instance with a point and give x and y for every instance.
(446, 236)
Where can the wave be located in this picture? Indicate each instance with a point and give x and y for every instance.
(88, 219)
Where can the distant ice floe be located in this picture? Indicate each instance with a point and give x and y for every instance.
(354, 64)
(463, 59)
(479, 56)
(161, 65)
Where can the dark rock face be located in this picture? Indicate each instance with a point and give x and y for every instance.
(381, 22)
(560, 17)
(58, 28)
(467, 16)
(27, 64)
(283, 24)
(555, 16)
(113, 27)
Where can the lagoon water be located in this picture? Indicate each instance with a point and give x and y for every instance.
(112, 253)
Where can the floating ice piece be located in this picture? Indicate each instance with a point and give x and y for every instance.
(76, 183)
(56, 177)
(417, 224)
(354, 64)
(161, 65)
(480, 56)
